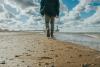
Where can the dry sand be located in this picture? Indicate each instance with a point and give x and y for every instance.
(21, 49)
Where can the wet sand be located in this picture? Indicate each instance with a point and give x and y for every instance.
(22, 49)
(89, 40)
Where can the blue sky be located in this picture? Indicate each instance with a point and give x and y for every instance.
(72, 3)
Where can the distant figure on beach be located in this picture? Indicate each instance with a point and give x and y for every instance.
(50, 10)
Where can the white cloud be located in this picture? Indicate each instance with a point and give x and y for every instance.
(75, 13)
(73, 22)
(24, 15)
(20, 15)
(93, 19)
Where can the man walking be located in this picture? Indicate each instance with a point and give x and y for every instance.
(49, 9)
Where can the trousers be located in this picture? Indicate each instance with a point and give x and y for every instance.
(49, 24)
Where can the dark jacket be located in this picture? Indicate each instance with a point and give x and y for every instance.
(49, 7)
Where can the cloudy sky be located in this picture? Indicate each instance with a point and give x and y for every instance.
(75, 16)
(83, 15)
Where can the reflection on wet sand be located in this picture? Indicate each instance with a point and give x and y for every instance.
(90, 40)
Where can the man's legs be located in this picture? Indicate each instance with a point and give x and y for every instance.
(47, 19)
(52, 26)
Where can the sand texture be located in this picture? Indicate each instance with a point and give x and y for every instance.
(23, 49)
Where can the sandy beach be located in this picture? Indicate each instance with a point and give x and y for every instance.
(27, 49)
